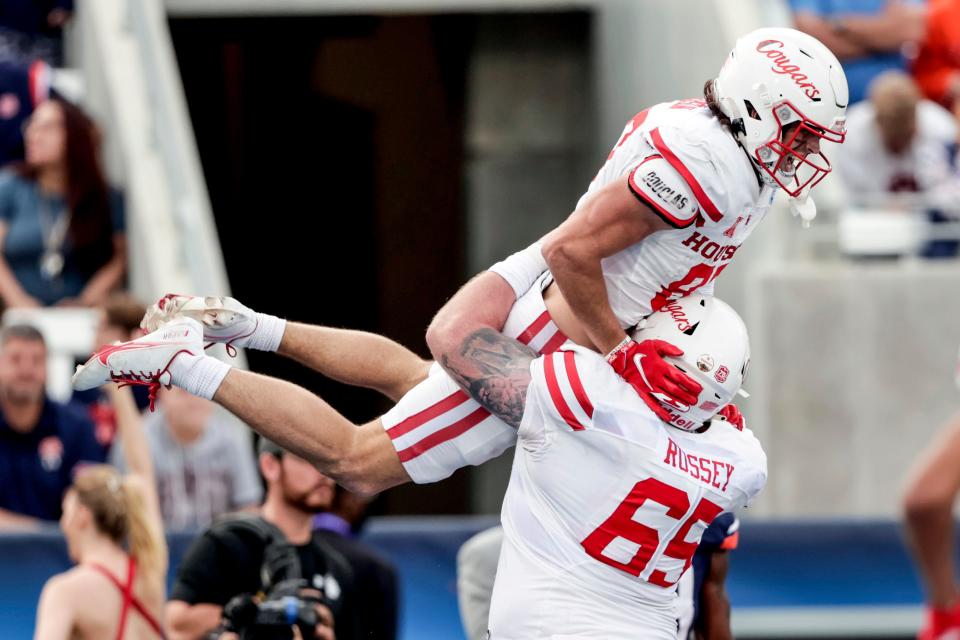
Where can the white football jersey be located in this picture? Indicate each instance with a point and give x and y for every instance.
(691, 172)
(606, 506)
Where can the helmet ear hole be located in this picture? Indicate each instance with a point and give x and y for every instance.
(692, 329)
(751, 111)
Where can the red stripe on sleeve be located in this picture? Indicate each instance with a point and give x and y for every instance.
(535, 327)
(455, 399)
(557, 396)
(443, 435)
(675, 162)
(574, 377)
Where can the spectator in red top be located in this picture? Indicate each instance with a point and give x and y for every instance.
(937, 67)
(113, 531)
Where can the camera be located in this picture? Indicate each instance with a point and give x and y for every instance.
(271, 618)
(289, 601)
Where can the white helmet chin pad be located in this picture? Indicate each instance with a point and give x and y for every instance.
(785, 94)
(716, 353)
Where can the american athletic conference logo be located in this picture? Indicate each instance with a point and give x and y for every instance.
(722, 373)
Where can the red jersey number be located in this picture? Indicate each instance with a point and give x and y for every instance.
(621, 524)
(698, 276)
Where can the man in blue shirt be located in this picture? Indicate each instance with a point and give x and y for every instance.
(867, 36)
(42, 442)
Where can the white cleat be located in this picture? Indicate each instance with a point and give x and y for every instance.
(224, 319)
(144, 361)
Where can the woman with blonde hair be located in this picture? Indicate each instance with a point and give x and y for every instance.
(114, 533)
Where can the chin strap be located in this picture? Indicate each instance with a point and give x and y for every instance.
(803, 206)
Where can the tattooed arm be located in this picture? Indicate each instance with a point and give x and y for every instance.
(494, 370)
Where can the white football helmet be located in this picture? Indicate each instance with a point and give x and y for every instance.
(774, 78)
(716, 353)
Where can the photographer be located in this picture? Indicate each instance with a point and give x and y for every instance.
(240, 574)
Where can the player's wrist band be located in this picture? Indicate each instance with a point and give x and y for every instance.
(268, 334)
(617, 348)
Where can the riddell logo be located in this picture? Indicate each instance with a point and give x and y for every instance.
(676, 312)
(175, 334)
(783, 66)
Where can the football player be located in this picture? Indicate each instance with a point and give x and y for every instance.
(607, 501)
(685, 185)
(687, 182)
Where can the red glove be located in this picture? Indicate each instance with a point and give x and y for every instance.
(655, 379)
(731, 413)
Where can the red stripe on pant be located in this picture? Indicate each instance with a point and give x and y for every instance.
(535, 327)
(459, 397)
(553, 343)
(443, 435)
(452, 401)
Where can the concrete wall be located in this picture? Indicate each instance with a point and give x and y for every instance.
(530, 133)
(854, 374)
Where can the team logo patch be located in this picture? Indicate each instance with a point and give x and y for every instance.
(709, 406)
(722, 374)
(664, 191)
(50, 450)
(705, 363)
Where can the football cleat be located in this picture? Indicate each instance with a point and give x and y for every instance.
(224, 319)
(941, 624)
(144, 361)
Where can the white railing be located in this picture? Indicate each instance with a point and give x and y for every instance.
(126, 56)
(131, 85)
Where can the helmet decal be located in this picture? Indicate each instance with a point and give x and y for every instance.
(785, 94)
(709, 333)
(773, 49)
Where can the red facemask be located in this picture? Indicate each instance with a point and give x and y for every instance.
(797, 170)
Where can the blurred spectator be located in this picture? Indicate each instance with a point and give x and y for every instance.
(231, 558)
(119, 321)
(61, 228)
(702, 589)
(112, 527)
(375, 576)
(203, 458)
(42, 442)
(898, 143)
(867, 36)
(32, 29)
(937, 67)
(22, 88)
(897, 153)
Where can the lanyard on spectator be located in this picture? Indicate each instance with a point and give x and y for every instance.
(54, 230)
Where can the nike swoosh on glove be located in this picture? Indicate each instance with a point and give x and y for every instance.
(642, 364)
